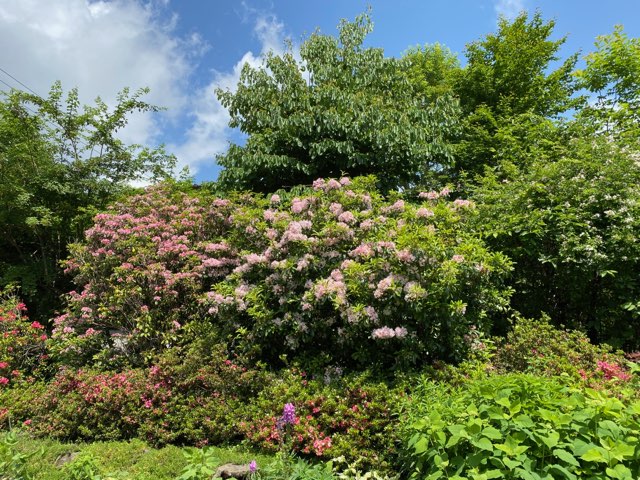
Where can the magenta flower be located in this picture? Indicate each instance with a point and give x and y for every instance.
(288, 414)
(253, 466)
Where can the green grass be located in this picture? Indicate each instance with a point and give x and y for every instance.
(133, 460)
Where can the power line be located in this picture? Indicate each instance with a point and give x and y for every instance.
(51, 124)
(14, 78)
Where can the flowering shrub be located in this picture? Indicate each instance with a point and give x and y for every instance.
(22, 342)
(353, 417)
(173, 401)
(335, 269)
(535, 346)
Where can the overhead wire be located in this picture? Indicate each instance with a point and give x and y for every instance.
(79, 140)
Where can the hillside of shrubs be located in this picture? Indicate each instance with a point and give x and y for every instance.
(430, 272)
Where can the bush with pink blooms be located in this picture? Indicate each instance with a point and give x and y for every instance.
(22, 342)
(333, 274)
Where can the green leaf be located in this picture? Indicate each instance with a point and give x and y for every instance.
(594, 455)
(483, 444)
(566, 457)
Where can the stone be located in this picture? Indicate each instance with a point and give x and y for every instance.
(230, 470)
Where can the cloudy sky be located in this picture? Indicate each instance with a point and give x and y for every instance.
(183, 50)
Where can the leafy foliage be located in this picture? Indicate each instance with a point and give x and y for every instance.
(507, 83)
(612, 73)
(22, 343)
(536, 347)
(341, 109)
(57, 167)
(520, 426)
(350, 416)
(571, 227)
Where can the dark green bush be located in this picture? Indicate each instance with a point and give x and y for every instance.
(520, 426)
(537, 347)
(571, 227)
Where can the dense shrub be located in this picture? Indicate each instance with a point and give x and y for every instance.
(537, 347)
(214, 403)
(353, 417)
(521, 426)
(572, 228)
(22, 342)
(334, 275)
(173, 401)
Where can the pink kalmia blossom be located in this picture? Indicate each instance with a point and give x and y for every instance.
(362, 250)
(460, 203)
(432, 195)
(299, 206)
(335, 208)
(347, 217)
(333, 184)
(269, 215)
(383, 286)
(424, 213)
(405, 256)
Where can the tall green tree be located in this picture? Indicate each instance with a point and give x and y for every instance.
(612, 74)
(59, 164)
(508, 88)
(342, 108)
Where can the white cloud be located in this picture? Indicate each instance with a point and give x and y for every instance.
(209, 134)
(99, 47)
(509, 8)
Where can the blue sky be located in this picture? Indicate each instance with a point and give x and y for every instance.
(184, 49)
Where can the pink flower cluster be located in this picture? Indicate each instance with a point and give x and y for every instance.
(385, 333)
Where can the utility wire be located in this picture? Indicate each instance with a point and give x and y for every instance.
(79, 140)
(14, 78)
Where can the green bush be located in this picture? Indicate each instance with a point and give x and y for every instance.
(571, 227)
(539, 348)
(520, 426)
(22, 342)
(353, 417)
(180, 399)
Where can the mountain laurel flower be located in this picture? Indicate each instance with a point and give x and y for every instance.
(429, 195)
(275, 198)
(383, 333)
(333, 184)
(346, 217)
(299, 206)
(335, 208)
(458, 258)
(400, 332)
(460, 203)
(424, 213)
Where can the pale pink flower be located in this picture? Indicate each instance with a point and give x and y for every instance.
(346, 217)
(383, 333)
(424, 213)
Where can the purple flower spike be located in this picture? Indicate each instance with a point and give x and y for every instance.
(288, 414)
(253, 466)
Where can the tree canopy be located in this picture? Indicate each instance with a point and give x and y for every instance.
(341, 108)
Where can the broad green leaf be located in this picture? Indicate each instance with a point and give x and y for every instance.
(566, 457)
